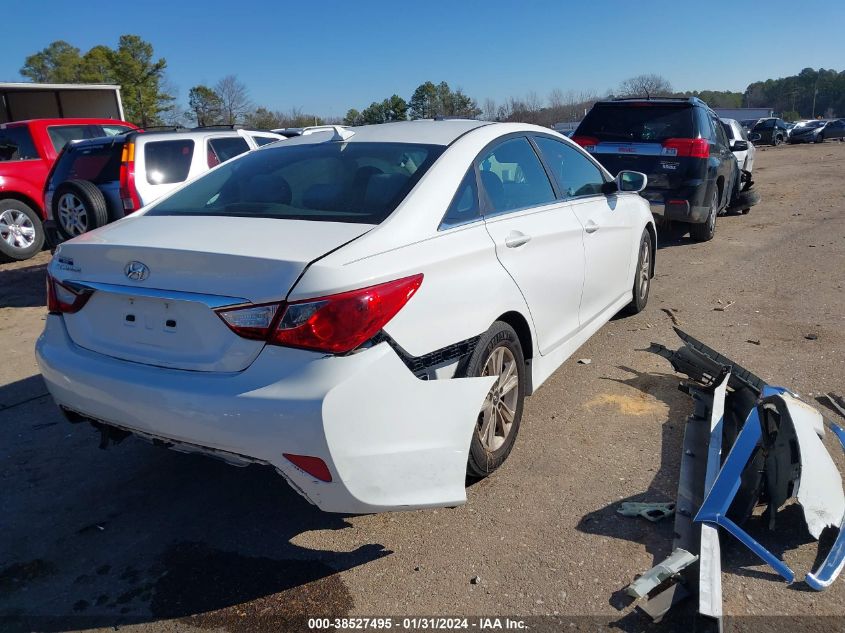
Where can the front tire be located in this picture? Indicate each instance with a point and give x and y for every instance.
(498, 352)
(21, 231)
(642, 276)
(777, 141)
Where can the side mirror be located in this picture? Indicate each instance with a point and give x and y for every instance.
(754, 137)
(631, 181)
(739, 146)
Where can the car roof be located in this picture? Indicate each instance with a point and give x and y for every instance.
(66, 121)
(424, 131)
(146, 136)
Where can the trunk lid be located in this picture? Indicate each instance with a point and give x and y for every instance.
(191, 265)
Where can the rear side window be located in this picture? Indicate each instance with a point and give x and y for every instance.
(575, 174)
(513, 177)
(16, 144)
(167, 162)
(264, 140)
(729, 131)
(222, 149)
(638, 123)
(61, 135)
(464, 207)
(95, 163)
(328, 182)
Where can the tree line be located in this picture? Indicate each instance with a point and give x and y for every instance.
(149, 100)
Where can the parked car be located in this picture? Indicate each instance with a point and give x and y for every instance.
(748, 124)
(679, 144)
(809, 132)
(100, 180)
(772, 131)
(28, 150)
(364, 309)
(741, 145)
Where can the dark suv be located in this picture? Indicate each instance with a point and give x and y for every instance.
(679, 144)
(772, 131)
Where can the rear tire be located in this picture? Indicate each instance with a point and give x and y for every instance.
(820, 138)
(21, 231)
(705, 231)
(498, 352)
(78, 207)
(777, 140)
(642, 276)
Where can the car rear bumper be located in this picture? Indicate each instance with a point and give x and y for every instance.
(390, 440)
(682, 205)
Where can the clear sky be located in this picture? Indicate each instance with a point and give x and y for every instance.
(327, 56)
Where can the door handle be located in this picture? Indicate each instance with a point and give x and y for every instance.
(591, 227)
(515, 239)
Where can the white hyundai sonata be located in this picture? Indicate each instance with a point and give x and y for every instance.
(364, 309)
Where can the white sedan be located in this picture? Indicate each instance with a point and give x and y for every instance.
(365, 309)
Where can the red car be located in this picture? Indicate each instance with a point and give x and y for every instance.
(28, 150)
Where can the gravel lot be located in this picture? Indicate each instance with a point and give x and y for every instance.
(156, 540)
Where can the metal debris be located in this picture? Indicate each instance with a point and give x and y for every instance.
(651, 511)
(585, 361)
(677, 561)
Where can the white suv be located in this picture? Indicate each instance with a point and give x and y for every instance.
(96, 181)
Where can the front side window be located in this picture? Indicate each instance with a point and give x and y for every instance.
(168, 162)
(356, 182)
(513, 177)
(16, 144)
(575, 174)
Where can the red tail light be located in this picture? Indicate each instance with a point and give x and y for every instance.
(586, 141)
(688, 147)
(128, 192)
(335, 324)
(62, 299)
(314, 466)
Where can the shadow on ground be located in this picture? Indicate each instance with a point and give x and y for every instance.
(140, 534)
(23, 287)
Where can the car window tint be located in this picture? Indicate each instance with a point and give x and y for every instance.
(61, 135)
(729, 131)
(264, 140)
(167, 162)
(513, 177)
(222, 149)
(637, 122)
(95, 163)
(330, 182)
(575, 174)
(16, 144)
(464, 207)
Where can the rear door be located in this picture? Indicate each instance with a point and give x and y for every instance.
(538, 238)
(640, 136)
(607, 220)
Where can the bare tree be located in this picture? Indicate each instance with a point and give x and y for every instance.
(556, 98)
(235, 99)
(645, 86)
(532, 102)
(489, 109)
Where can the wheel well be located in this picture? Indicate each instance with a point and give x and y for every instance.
(14, 195)
(651, 231)
(523, 331)
(720, 185)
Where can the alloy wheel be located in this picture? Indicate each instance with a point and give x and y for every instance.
(645, 271)
(499, 409)
(17, 229)
(72, 215)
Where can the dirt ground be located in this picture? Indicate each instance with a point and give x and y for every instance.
(151, 539)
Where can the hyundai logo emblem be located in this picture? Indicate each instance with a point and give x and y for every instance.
(136, 271)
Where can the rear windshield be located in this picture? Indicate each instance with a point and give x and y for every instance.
(638, 122)
(96, 163)
(16, 144)
(328, 182)
(167, 162)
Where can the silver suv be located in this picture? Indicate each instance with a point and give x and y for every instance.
(97, 181)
